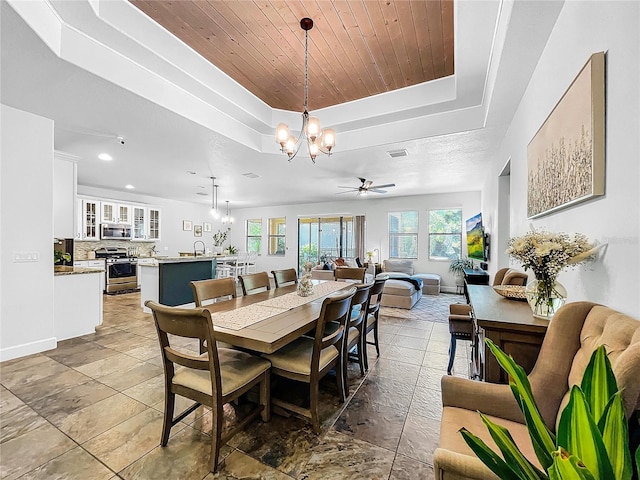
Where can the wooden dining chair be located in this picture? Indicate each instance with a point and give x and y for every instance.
(255, 283)
(210, 291)
(214, 378)
(285, 277)
(356, 332)
(373, 312)
(350, 273)
(309, 359)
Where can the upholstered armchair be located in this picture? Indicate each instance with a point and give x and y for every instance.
(575, 332)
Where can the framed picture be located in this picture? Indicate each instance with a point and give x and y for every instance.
(206, 227)
(186, 225)
(565, 158)
(197, 230)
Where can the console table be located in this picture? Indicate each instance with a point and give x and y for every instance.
(476, 277)
(510, 325)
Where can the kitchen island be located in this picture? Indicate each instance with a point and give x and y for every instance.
(167, 279)
(77, 304)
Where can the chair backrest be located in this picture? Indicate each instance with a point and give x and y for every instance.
(255, 283)
(359, 302)
(186, 323)
(209, 291)
(576, 330)
(375, 295)
(285, 277)
(350, 273)
(335, 308)
(509, 276)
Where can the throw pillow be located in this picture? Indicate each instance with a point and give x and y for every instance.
(359, 263)
(340, 262)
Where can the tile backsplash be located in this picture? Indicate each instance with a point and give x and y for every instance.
(81, 249)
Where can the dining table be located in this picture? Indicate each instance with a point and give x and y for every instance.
(286, 316)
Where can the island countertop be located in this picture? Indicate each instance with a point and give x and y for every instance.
(68, 270)
(200, 258)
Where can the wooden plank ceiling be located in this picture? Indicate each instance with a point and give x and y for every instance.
(357, 48)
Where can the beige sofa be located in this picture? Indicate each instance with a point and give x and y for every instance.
(574, 333)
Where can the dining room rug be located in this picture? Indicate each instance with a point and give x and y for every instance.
(434, 308)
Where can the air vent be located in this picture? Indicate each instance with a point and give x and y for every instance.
(202, 193)
(397, 153)
(251, 175)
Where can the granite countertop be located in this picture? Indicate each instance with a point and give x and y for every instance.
(161, 259)
(64, 270)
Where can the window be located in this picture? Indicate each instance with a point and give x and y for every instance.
(403, 234)
(277, 241)
(445, 234)
(254, 235)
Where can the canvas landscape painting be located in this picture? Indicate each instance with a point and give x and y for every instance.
(566, 156)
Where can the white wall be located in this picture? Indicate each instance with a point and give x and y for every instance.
(582, 29)
(375, 211)
(26, 225)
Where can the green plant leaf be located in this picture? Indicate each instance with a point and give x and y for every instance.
(543, 437)
(568, 467)
(510, 451)
(491, 459)
(598, 382)
(638, 461)
(579, 434)
(613, 425)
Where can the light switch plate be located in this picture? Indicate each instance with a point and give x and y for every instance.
(23, 257)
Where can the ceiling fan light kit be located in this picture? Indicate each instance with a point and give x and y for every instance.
(318, 141)
(366, 187)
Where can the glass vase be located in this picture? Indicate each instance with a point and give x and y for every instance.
(305, 286)
(545, 297)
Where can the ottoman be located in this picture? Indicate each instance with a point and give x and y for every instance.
(399, 293)
(430, 283)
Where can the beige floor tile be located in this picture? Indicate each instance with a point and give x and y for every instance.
(403, 355)
(426, 402)
(75, 464)
(387, 392)
(410, 342)
(123, 444)
(26, 452)
(100, 417)
(48, 368)
(419, 438)
(32, 391)
(241, 466)
(19, 421)
(150, 392)
(125, 379)
(106, 366)
(8, 401)
(404, 372)
(405, 468)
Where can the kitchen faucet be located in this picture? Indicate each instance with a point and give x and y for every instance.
(195, 252)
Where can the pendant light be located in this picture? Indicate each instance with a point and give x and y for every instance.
(214, 199)
(227, 219)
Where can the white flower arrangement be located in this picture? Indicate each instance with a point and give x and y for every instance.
(220, 237)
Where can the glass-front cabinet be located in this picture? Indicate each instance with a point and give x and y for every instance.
(115, 213)
(146, 223)
(87, 227)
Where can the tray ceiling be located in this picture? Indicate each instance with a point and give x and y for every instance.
(357, 48)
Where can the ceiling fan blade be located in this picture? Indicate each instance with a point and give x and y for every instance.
(351, 188)
(386, 185)
(347, 191)
(367, 184)
(375, 190)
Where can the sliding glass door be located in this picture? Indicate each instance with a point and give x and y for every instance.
(325, 238)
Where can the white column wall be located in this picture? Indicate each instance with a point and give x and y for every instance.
(582, 29)
(26, 225)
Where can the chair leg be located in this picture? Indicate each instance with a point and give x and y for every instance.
(375, 336)
(365, 356)
(345, 373)
(340, 378)
(362, 351)
(169, 404)
(452, 353)
(313, 407)
(265, 387)
(216, 435)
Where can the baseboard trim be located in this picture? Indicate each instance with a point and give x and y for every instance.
(25, 349)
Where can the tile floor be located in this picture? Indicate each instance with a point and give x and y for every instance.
(92, 409)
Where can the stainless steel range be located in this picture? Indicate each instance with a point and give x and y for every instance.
(121, 269)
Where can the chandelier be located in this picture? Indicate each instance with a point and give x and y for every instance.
(318, 141)
(227, 219)
(214, 199)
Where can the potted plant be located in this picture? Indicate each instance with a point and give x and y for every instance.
(59, 256)
(592, 440)
(457, 267)
(218, 240)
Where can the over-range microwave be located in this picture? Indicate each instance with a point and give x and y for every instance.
(115, 231)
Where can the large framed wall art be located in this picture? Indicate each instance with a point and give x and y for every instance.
(566, 157)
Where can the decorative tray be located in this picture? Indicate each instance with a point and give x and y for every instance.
(512, 292)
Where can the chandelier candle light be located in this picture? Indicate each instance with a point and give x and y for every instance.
(318, 141)
(227, 219)
(547, 254)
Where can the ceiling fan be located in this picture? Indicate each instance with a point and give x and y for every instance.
(367, 187)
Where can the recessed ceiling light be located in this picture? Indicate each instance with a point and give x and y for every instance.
(251, 175)
(398, 153)
(129, 186)
(190, 172)
(204, 194)
(105, 156)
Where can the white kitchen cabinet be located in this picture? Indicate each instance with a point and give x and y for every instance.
(64, 195)
(87, 222)
(154, 224)
(111, 212)
(146, 223)
(89, 263)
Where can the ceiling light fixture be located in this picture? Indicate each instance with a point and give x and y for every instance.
(227, 219)
(214, 199)
(318, 141)
(129, 186)
(105, 156)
